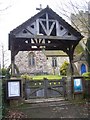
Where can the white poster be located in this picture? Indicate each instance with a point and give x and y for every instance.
(13, 89)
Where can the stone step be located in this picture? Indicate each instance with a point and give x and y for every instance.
(51, 102)
(43, 100)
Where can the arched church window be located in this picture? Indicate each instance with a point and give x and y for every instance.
(54, 62)
(83, 68)
(31, 59)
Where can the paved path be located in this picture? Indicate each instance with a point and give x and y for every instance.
(56, 108)
(50, 108)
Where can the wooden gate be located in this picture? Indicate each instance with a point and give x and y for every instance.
(45, 88)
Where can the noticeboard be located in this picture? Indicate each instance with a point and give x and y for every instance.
(13, 89)
(78, 85)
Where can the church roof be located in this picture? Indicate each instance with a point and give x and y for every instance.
(80, 57)
(53, 53)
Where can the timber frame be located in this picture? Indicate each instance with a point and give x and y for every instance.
(45, 30)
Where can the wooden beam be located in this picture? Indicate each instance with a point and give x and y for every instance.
(36, 49)
(50, 20)
(43, 27)
(46, 37)
(41, 44)
(47, 24)
(36, 46)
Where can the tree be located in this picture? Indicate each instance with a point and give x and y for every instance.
(63, 68)
(78, 12)
(3, 72)
(83, 23)
(4, 57)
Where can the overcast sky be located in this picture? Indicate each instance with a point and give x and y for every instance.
(15, 12)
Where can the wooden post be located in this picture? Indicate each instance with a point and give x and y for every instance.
(14, 101)
(12, 63)
(69, 76)
(71, 65)
(0, 98)
(88, 40)
(11, 40)
(45, 87)
(12, 69)
(88, 53)
(64, 86)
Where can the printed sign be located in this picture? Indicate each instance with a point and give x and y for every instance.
(78, 86)
(13, 88)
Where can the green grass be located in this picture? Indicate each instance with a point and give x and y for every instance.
(49, 77)
(86, 75)
(41, 77)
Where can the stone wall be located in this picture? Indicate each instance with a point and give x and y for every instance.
(42, 63)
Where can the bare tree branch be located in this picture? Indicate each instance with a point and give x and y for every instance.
(5, 8)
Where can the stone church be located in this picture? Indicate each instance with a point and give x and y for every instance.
(80, 21)
(39, 62)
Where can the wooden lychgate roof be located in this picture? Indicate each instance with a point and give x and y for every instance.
(45, 30)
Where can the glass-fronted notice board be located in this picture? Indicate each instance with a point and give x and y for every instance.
(78, 85)
(13, 89)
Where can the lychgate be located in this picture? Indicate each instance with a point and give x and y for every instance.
(45, 30)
